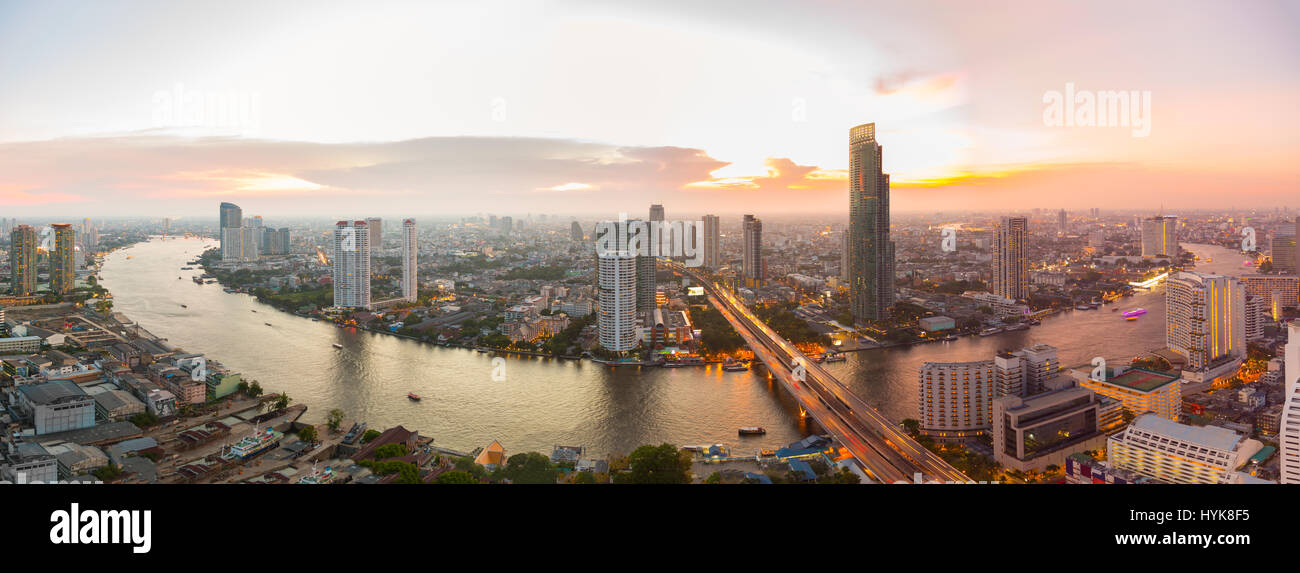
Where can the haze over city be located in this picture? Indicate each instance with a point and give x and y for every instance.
(453, 109)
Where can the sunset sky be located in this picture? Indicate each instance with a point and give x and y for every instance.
(393, 108)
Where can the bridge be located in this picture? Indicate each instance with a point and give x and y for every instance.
(878, 445)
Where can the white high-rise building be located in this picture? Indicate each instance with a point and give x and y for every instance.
(239, 244)
(410, 248)
(617, 283)
(351, 264)
(1205, 322)
(1289, 432)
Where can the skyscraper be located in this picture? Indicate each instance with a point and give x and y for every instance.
(231, 217)
(645, 272)
(239, 244)
(410, 248)
(376, 226)
(259, 233)
(752, 253)
(1283, 248)
(1160, 236)
(351, 264)
(575, 231)
(712, 242)
(63, 269)
(1062, 224)
(22, 260)
(1010, 265)
(871, 253)
(845, 263)
(89, 237)
(1205, 322)
(616, 284)
(1289, 433)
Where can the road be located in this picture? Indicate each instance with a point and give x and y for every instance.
(876, 443)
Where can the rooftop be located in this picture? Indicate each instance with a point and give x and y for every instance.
(1212, 437)
(1142, 379)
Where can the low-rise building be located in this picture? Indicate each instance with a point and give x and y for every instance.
(1138, 389)
(56, 406)
(1178, 453)
(1035, 432)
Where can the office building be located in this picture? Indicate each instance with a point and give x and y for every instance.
(410, 250)
(616, 282)
(1139, 390)
(712, 242)
(63, 265)
(22, 260)
(1160, 236)
(1035, 432)
(752, 251)
(1205, 323)
(871, 253)
(351, 264)
(1177, 453)
(1283, 248)
(1010, 264)
(1289, 434)
(376, 227)
(239, 244)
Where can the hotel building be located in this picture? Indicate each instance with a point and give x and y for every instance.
(1139, 390)
(1177, 453)
(1160, 236)
(1205, 323)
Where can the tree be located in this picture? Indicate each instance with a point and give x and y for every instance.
(530, 467)
(369, 435)
(144, 419)
(109, 472)
(912, 426)
(455, 477)
(283, 401)
(390, 451)
(584, 478)
(307, 434)
(715, 477)
(334, 419)
(254, 389)
(660, 464)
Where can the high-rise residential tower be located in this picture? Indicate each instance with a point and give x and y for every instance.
(1010, 265)
(240, 244)
(645, 270)
(231, 217)
(1160, 236)
(1062, 223)
(616, 285)
(1205, 322)
(376, 226)
(63, 269)
(1283, 248)
(410, 248)
(752, 253)
(575, 231)
(351, 264)
(22, 259)
(712, 242)
(1289, 433)
(871, 253)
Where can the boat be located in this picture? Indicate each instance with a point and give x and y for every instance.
(254, 445)
(1035, 322)
(481, 350)
(183, 306)
(752, 431)
(1130, 318)
(990, 331)
(693, 448)
(737, 367)
(357, 430)
(1018, 326)
(252, 310)
(842, 358)
(337, 345)
(321, 477)
(674, 364)
(413, 396)
(1081, 307)
(950, 338)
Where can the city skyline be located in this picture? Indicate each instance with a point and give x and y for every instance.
(964, 118)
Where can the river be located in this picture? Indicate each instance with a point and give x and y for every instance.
(544, 402)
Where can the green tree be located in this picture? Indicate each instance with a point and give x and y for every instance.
(283, 401)
(334, 419)
(109, 472)
(530, 467)
(715, 477)
(254, 389)
(660, 464)
(390, 451)
(912, 426)
(456, 476)
(307, 434)
(369, 435)
(584, 478)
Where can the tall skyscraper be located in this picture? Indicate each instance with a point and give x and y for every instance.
(752, 252)
(845, 259)
(231, 217)
(376, 226)
(1010, 264)
(1283, 248)
(22, 259)
(89, 237)
(656, 213)
(712, 242)
(575, 231)
(645, 274)
(351, 264)
(1289, 433)
(871, 253)
(63, 265)
(616, 284)
(1160, 236)
(410, 249)
(1205, 321)
(1062, 224)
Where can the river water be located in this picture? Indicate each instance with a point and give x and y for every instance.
(544, 402)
